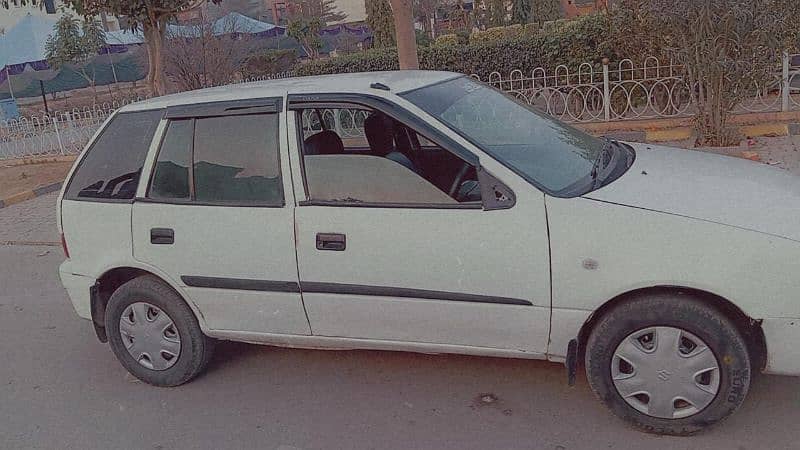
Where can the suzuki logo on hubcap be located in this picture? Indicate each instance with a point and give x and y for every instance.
(664, 375)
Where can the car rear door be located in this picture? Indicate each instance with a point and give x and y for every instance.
(217, 216)
(384, 254)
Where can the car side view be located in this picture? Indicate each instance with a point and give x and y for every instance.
(427, 212)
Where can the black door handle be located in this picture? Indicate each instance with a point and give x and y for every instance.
(331, 241)
(164, 236)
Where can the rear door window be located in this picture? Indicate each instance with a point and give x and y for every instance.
(236, 160)
(112, 166)
(233, 159)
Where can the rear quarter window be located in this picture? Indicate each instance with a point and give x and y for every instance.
(113, 165)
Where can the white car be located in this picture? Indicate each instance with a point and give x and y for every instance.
(426, 212)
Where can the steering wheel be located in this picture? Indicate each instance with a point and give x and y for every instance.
(459, 178)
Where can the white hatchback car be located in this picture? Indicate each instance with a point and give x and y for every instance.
(424, 211)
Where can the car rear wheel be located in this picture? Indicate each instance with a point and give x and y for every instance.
(154, 333)
(668, 363)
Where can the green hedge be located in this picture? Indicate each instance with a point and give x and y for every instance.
(570, 43)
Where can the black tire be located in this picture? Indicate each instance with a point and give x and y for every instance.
(679, 311)
(196, 348)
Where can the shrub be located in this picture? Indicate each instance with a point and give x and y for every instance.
(269, 62)
(578, 41)
(501, 33)
(452, 39)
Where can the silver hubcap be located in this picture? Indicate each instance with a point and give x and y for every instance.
(665, 372)
(150, 336)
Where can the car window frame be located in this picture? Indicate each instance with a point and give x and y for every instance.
(298, 102)
(236, 108)
(91, 145)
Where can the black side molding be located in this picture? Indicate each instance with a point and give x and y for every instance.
(385, 291)
(241, 284)
(345, 289)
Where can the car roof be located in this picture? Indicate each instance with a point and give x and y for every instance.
(397, 81)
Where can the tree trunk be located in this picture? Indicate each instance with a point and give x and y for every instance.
(404, 32)
(154, 38)
(148, 39)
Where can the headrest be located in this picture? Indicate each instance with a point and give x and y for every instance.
(379, 129)
(326, 142)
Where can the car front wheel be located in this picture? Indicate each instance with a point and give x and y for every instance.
(154, 333)
(668, 363)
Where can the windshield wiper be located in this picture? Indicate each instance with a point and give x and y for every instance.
(596, 167)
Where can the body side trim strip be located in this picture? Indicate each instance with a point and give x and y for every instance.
(345, 289)
(385, 291)
(240, 284)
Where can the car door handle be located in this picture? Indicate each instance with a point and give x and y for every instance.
(331, 241)
(163, 236)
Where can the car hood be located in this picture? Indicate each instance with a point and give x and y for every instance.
(705, 186)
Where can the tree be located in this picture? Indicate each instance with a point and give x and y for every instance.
(324, 10)
(306, 32)
(201, 56)
(545, 10)
(404, 34)
(76, 44)
(521, 11)
(381, 22)
(152, 16)
(424, 13)
(497, 13)
(729, 48)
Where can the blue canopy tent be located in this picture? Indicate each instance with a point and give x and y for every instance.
(23, 61)
(231, 23)
(22, 51)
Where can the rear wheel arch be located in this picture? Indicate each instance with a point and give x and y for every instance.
(749, 328)
(111, 280)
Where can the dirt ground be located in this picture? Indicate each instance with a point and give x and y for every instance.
(19, 178)
(80, 98)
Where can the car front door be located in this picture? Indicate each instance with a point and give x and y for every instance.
(217, 216)
(385, 252)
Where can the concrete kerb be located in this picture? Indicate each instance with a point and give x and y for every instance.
(29, 194)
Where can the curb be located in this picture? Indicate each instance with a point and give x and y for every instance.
(27, 195)
(37, 160)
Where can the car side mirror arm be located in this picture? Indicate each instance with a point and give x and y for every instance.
(495, 194)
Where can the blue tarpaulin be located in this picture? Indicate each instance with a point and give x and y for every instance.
(23, 46)
(23, 51)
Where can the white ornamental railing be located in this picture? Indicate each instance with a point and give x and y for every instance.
(58, 133)
(628, 91)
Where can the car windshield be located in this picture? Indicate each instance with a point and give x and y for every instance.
(544, 150)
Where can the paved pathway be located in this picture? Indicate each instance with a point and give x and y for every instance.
(30, 221)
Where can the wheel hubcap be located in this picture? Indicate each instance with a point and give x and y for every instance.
(150, 336)
(665, 372)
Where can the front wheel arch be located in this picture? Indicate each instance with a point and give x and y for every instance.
(749, 328)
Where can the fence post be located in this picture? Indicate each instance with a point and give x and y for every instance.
(785, 82)
(58, 136)
(606, 92)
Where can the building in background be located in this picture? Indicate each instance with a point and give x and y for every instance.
(355, 9)
(575, 8)
(271, 11)
(12, 11)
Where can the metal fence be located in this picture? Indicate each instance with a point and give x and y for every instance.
(625, 91)
(59, 133)
(628, 91)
